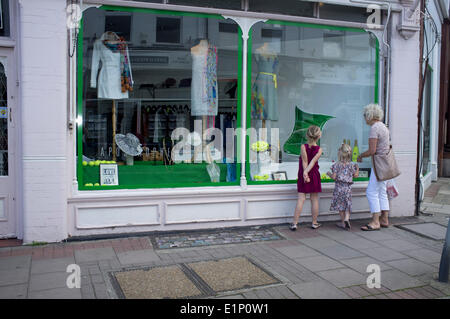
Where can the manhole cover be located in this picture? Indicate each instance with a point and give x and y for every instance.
(232, 274)
(430, 230)
(221, 237)
(155, 283)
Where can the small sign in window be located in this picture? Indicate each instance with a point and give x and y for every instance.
(109, 174)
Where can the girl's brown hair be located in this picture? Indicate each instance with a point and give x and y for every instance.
(345, 153)
(313, 133)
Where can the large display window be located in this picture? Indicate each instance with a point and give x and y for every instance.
(158, 99)
(300, 75)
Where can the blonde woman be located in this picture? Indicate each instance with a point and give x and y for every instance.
(309, 177)
(376, 190)
(343, 172)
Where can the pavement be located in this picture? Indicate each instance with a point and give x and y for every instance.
(327, 263)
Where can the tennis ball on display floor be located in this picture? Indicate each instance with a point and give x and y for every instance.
(88, 184)
(96, 184)
(91, 163)
(85, 163)
(97, 163)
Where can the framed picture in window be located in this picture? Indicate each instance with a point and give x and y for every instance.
(279, 176)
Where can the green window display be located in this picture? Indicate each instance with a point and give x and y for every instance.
(158, 92)
(302, 75)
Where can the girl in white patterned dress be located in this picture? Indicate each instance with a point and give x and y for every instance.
(343, 172)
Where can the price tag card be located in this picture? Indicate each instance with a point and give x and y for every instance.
(109, 174)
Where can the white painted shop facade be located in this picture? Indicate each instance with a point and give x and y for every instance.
(55, 103)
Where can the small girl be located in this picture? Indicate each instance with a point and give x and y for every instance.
(308, 181)
(343, 173)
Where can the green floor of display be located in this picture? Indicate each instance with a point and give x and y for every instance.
(150, 173)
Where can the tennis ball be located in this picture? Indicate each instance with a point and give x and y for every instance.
(88, 184)
(91, 163)
(85, 163)
(97, 163)
(96, 184)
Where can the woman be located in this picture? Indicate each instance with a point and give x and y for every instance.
(376, 191)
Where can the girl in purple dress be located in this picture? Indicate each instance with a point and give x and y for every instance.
(308, 181)
(343, 173)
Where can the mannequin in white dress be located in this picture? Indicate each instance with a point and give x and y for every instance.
(204, 96)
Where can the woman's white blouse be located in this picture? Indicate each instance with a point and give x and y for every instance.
(109, 84)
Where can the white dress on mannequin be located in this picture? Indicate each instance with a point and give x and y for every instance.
(204, 94)
(109, 81)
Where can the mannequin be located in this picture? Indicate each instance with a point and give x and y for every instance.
(204, 92)
(264, 97)
(115, 79)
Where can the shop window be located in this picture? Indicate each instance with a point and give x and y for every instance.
(4, 18)
(426, 122)
(165, 114)
(318, 75)
(229, 4)
(343, 13)
(288, 7)
(120, 22)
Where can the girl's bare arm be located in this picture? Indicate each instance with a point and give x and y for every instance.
(304, 157)
(314, 160)
(356, 174)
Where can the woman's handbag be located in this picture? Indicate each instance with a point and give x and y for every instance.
(385, 166)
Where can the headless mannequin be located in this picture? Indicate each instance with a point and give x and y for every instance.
(265, 51)
(113, 38)
(201, 49)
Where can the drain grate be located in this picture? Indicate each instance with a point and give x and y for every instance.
(194, 280)
(210, 238)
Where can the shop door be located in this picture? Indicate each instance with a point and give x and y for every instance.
(8, 84)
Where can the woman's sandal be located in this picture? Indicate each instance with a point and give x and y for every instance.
(293, 227)
(315, 226)
(369, 228)
(384, 226)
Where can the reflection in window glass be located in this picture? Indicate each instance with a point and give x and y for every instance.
(426, 123)
(343, 13)
(288, 7)
(148, 100)
(228, 4)
(4, 19)
(3, 122)
(307, 76)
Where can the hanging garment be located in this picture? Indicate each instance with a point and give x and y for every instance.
(204, 94)
(264, 92)
(115, 79)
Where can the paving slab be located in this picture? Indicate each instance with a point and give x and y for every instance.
(318, 242)
(431, 230)
(318, 263)
(48, 281)
(343, 277)
(15, 262)
(379, 235)
(94, 254)
(412, 266)
(359, 243)
(42, 266)
(14, 276)
(360, 264)
(298, 251)
(383, 254)
(395, 280)
(399, 244)
(138, 257)
(57, 293)
(14, 291)
(340, 252)
(317, 290)
(426, 255)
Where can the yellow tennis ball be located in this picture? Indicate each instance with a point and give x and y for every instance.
(91, 163)
(85, 163)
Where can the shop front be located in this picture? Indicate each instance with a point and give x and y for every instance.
(183, 115)
(195, 120)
